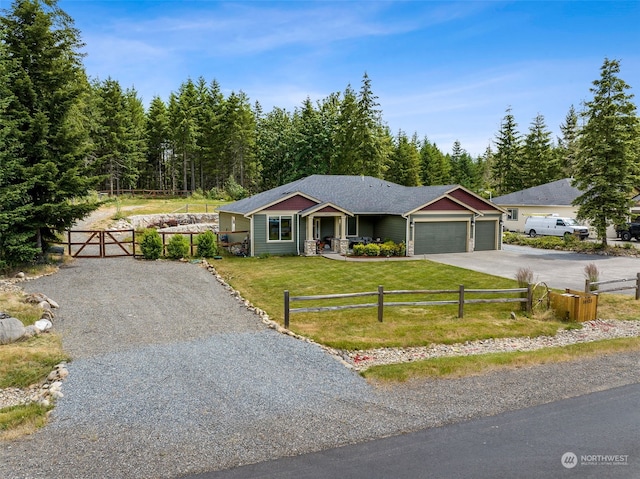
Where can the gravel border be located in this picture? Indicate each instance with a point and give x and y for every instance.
(172, 374)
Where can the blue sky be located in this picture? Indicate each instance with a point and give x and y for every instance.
(445, 70)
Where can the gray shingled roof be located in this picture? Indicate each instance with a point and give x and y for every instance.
(557, 193)
(357, 194)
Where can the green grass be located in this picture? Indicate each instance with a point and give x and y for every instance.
(469, 365)
(262, 281)
(130, 205)
(17, 421)
(28, 362)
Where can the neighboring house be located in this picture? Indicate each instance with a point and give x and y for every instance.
(337, 211)
(551, 198)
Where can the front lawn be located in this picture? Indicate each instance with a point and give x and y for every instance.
(263, 281)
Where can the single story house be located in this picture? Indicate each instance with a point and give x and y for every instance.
(551, 198)
(337, 211)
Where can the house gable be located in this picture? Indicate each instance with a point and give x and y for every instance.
(472, 200)
(294, 203)
(444, 204)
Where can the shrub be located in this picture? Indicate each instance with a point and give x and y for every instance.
(372, 249)
(207, 244)
(401, 249)
(524, 276)
(388, 248)
(358, 249)
(151, 244)
(178, 247)
(592, 273)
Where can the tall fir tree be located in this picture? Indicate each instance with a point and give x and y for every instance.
(463, 168)
(158, 145)
(404, 165)
(45, 90)
(568, 143)
(606, 167)
(539, 161)
(435, 167)
(506, 168)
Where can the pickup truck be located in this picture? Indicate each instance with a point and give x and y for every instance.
(628, 231)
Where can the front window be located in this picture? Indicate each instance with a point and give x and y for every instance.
(352, 226)
(512, 214)
(280, 228)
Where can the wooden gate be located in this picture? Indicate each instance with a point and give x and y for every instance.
(101, 243)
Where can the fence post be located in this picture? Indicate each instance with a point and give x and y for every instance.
(587, 286)
(103, 253)
(134, 242)
(637, 286)
(461, 302)
(529, 298)
(380, 302)
(286, 309)
(69, 242)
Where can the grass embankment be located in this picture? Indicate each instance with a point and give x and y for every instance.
(263, 280)
(130, 205)
(25, 363)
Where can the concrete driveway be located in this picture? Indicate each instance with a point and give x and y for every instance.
(558, 269)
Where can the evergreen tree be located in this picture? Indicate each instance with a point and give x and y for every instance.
(435, 167)
(568, 144)
(507, 167)
(463, 169)
(539, 165)
(274, 144)
(404, 167)
(158, 145)
(43, 103)
(238, 137)
(606, 167)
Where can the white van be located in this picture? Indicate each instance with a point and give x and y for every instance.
(554, 225)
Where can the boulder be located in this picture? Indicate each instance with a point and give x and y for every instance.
(11, 330)
(43, 324)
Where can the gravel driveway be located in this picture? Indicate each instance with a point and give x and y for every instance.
(172, 375)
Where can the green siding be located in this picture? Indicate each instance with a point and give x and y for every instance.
(365, 226)
(391, 227)
(260, 244)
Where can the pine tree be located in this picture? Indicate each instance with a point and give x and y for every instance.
(157, 136)
(539, 165)
(568, 144)
(507, 168)
(435, 167)
(45, 91)
(463, 169)
(606, 167)
(404, 165)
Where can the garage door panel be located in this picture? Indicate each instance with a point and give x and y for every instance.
(485, 235)
(440, 237)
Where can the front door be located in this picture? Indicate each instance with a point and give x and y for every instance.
(316, 229)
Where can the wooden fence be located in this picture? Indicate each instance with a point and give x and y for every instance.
(380, 303)
(594, 286)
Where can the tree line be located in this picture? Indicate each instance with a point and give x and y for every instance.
(63, 135)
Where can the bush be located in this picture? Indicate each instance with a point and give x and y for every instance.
(372, 249)
(388, 248)
(178, 247)
(207, 244)
(151, 244)
(401, 249)
(358, 249)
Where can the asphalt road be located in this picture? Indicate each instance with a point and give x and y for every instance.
(558, 269)
(590, 436)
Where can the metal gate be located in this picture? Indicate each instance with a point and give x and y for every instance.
(101, 243)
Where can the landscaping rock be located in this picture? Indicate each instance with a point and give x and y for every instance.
(11, 330)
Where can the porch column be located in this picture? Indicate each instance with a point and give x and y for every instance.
(310, 242)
